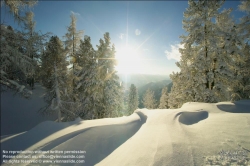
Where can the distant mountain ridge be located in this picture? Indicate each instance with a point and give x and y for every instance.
(140, 79)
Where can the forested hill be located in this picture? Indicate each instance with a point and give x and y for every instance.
(156, 87)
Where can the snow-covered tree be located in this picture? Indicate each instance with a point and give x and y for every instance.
(14, 63)
(242, 89)
(87, 83)
(109, 89)
(149, 100)
(72, 44)
(230, 48)
(244, 25)
(56, 96)
(32, 45)
(207, 61)
(164, 98)
(133, 99)
(17, 6)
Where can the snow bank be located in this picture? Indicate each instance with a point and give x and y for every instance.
(196, 134)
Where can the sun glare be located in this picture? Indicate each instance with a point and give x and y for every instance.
(128, 61)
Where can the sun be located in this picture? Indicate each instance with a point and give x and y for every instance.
(128, 60)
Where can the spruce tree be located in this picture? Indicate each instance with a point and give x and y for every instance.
(164, 98)
(206, 65)
(132, 99)
(149, 100)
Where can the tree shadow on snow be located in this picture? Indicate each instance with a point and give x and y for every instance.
(98, 142)
(242, 106)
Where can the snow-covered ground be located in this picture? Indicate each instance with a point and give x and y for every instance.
(196, 134)
(19, 114)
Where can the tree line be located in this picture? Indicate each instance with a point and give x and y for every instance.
(215, 60)
(80, 81)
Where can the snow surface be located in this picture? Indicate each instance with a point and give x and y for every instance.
(19, 114)
(195, 134)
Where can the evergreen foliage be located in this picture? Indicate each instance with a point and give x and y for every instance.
(17, 6)
(242, 89)
(133, 101)
(149, 101)
(208, 59)
(72, 44)
(164, 98)
(87, 83)
(14, 63)
(56, 96)
(109, 89)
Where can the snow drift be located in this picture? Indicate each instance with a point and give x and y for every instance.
(196, 134)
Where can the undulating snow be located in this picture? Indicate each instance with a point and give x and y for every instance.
(195, 134)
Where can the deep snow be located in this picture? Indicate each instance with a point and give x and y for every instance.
(195, 134)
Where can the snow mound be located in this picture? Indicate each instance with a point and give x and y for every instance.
(196, 134)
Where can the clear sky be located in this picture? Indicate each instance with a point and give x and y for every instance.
(145, 33)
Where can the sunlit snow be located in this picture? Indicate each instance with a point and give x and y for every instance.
(195, 134)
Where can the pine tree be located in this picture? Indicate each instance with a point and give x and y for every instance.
(72, 43)
(206, 64)
(56, 96)
(149, 99)
(133, 99)
(164, 98)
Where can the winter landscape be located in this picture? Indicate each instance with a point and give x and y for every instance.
(119, 91)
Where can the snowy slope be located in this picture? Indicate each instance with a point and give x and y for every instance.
(19, 114)
(196, 134)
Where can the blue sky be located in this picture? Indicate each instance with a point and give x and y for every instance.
(152, 28)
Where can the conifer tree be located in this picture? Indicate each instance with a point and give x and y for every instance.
(164, 98)
(14, 63)
(132, 99)
(56, 96)
(87, 83)
(242, 89)
(15, 7)
(244, 26)
(206, 62)
(110, 91)
(32, 44)
(72, 44)
(149, 99)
